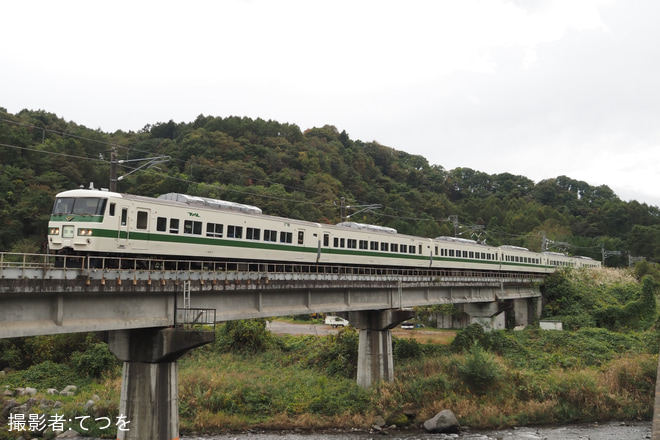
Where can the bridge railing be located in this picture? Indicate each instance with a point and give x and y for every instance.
(21, 263)
(195, 319)
(13, 265)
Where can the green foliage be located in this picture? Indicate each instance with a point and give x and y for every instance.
(638, 313)
(468, 337)
(479, 370)
(339, 353)
(44, 375)
(244, 336)
(406, 348)
(580, 300)
(94, 361)
(643, 268)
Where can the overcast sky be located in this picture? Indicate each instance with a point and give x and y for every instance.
(538, 88)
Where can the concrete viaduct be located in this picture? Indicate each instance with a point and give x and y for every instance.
(154, 312)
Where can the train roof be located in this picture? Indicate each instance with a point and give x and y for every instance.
(92, 192)
(514, 248)
(363, 226)
(211, 203)
(456, 239)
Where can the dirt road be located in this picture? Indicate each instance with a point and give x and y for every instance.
(420, 335)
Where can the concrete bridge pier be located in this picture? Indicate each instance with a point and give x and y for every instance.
(375, 359)
(498, 315)
(149, 394)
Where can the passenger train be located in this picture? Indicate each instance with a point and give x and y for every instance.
(91, 222)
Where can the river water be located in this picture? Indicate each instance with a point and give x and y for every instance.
(603, 431)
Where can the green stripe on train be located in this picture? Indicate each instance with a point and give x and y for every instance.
(253, 244)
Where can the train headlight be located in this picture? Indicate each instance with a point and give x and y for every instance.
(54, 231)
(85, 232)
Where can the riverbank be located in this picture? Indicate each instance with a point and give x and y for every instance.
(252, 379)
(307, 383)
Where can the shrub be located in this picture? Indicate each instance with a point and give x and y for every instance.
(479, 371)
(244, 336)
(339, 354)
(95, 361)
(406, 349)
(466, 338)
(47, 374)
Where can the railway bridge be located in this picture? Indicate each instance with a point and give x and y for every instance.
(152, 312)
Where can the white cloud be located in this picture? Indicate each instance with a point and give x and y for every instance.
(540, 88)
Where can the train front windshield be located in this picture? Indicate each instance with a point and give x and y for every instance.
(79, 206)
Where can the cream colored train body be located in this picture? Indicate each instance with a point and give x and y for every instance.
(176, 226)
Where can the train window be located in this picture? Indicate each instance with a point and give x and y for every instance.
(286, 237)
(351, 243)
(124, 216)
(270, 235)
(451, 252)
(174, 226)
(364, 244)
(326, 240)
(234, 231)
(403, 248)
(192, 227)
(79, 206)
(420, 249)
(335, 242)
(395, 247)
(111, 210)
(301, 237)
(342, 242)
(471, 254)
(373, 245)
(465, 254)
(253, 234)
(411, 249)
(214, 230)
(142, 220)
(161, 224)
(436, 251)
(385, 247)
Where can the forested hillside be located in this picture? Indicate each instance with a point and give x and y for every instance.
(304, 174)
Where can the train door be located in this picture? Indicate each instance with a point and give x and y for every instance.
(325, 244)
(300, 241)
(140, 237)
(122, 229)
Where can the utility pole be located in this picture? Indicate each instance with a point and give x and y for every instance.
(113, 169)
